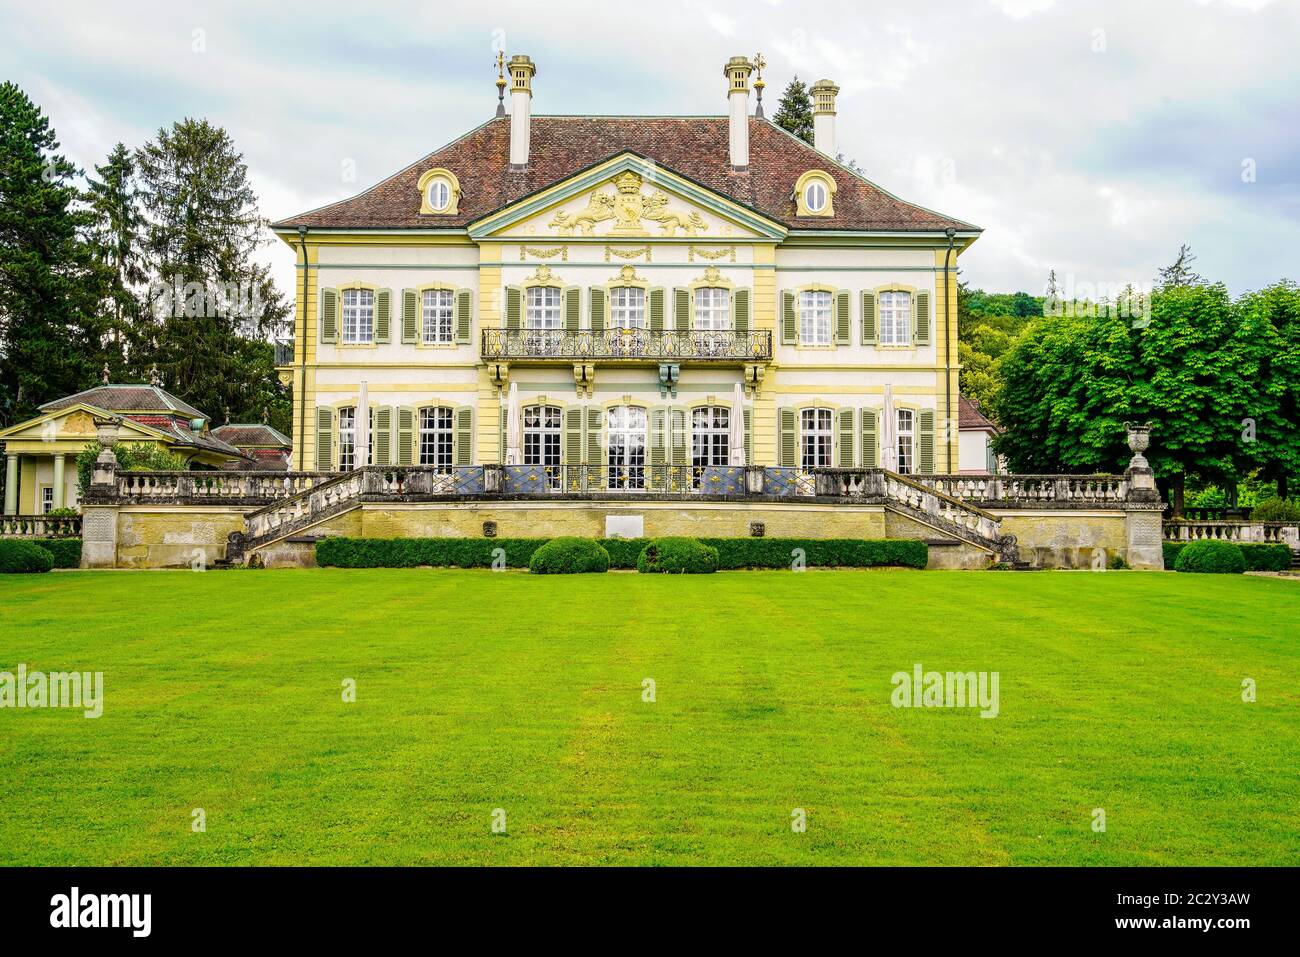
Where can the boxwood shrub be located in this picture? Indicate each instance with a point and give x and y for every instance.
(22, 556)
(1259, 556)
(678, 556)
(569, 555)
(733, 553)
(1171, 550)
(1211, 556)
(66, 552)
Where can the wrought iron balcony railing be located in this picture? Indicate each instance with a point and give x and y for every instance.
(284, 352)
(613, 344)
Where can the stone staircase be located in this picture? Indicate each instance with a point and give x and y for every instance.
(288, 516)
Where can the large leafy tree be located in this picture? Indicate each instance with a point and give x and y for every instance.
(114, 199)
(1270, 431)
(794, 112)
(208, 289)
(50, 334)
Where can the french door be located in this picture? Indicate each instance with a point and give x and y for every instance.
(627, 447)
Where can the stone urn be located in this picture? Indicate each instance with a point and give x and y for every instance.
(106, 431)
(1139, 438)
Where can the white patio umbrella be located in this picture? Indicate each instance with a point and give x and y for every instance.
(514, 428)
(736, 428)
(888, 432)
(361, 428)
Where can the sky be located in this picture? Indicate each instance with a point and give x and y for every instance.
(1089, 138)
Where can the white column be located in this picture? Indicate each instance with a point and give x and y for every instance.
(11, 484)
(60, 495)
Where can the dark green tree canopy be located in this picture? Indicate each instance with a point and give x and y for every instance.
(794, 112)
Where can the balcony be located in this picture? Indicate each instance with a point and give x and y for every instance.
(284, 352)
(627, 345)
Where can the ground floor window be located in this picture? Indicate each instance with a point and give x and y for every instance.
(906, 443)
(348, 438)
(627, 441)
(710, 439)
(47, 499)
(436, 438)
(817, 438)
(542, 440)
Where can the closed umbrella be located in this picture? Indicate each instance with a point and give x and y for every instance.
(736, 430)
(361, 428)
(888, 432)
(514, 428)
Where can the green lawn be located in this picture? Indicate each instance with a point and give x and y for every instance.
(478, 691)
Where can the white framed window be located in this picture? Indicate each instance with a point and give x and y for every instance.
(348, 438)
(436, 438)
(712, 309)
(626, 451)
(543, 307)
(814, 196)
(627, 307)
(906, 442)
(47, 499)
(815, 318)
(816, 438)
(439, 195)
(437, 315)
(358, 315)
(895, 318)
(542, 440)
(710, 438)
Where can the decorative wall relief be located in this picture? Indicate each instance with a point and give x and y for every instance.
(630, 210)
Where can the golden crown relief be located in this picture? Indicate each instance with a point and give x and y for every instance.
(630, 210)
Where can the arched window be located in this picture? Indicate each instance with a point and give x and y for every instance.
(814, 196)
(817, 438)
(436, 438)
(439, 195)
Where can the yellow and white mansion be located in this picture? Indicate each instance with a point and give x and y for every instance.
(625, 274)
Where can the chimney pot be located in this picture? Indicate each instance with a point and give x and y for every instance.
(823, 97)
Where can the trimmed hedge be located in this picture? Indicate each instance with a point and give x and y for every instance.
(1259, 556)
(733, 553)
(569, 555)
(1211, 556)
(66, 552)
(678, 556)
(20, 556)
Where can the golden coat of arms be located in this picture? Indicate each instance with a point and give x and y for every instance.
(630, 209)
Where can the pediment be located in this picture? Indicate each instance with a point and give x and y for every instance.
(627, 198)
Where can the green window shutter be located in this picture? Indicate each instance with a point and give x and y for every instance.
(573, 435)
(868, 318)
(384, 435)
(740, 310)
(846, 438)
(329, 315)
(464, 453)
(464, 315)
(597, 309)
(514, 307)
(789, 320)
(843, 331)
(659, 436)
(922, 318)
(656, 297)
(678, 421)
(925, 457)
(870, 445)
(383, 315)
(789, 438)
(410, 316)
(572, 309)
(594, 446)
(324, 439)
(405, 436)
(749, 438)
(682, 309)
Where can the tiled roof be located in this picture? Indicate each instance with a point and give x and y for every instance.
(127, 398)
(561, 146)
(969, 416)
(243, 435)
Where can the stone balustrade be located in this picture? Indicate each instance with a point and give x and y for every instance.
(1063, 491)
(196, 487)
(40, 526)
(1185, 530)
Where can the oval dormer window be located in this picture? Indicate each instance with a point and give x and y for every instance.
(814, 196)
(439, 195)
